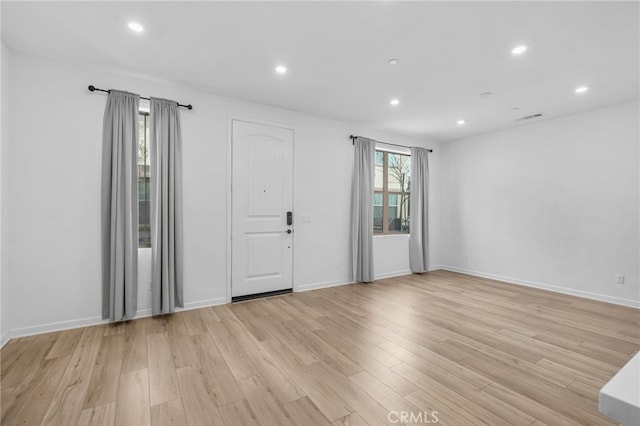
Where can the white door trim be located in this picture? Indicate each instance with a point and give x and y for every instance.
(230, 120)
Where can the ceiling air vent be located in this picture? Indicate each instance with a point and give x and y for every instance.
(528, 117)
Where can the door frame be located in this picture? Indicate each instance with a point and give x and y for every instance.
(230, 119)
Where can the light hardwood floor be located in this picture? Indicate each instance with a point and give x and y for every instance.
(475, 351)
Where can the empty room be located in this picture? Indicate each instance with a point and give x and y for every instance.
(320, 213)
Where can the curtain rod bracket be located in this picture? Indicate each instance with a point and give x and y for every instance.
(93, 88)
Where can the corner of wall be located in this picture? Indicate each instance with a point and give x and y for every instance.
(4, 319)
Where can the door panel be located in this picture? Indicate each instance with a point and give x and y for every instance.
(262, 194)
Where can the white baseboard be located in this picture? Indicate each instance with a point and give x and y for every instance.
(558, 289)
(88, 322)
(317, 286)
(203, 304)
(307, 287)
(392, 274)
(404, 272)
(4, 339)
(59, 326)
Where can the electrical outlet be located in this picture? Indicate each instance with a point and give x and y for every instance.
(619, 279)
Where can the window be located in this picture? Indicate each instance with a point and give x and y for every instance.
(144, 208)
(392, 184)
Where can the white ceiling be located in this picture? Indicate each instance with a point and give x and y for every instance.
(337, 54)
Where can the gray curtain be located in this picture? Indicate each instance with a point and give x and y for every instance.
(419, 211)
(362, 210)
(166, 207)
(120, 206)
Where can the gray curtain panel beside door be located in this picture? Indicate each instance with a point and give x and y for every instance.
(362, 209)
(120, 206)
(419, 211)
(166, 207)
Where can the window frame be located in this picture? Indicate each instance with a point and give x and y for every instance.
(386, 193)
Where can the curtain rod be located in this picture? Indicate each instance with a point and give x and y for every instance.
(93, 88)
(353, 141)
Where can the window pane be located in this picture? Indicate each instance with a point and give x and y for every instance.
(404, 214)
(377, 212)
(379, 157)
(144, 227)
(393, 212)
(399, 172)
(398, 212)
(378, 180)
(143, 154)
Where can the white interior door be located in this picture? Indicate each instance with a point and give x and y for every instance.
(262, 195)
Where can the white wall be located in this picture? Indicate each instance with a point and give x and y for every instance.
(53, 202)
(4, 115)
(552, 204)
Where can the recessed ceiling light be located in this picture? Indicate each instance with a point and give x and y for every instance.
(394, 102)
(582, 89)
(393, 62)
(519, 50)
(136, 27)
(460, 122)
(281, 69)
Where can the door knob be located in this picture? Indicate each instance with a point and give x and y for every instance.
(288, 231)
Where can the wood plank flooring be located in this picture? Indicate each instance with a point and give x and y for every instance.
(446, 346)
